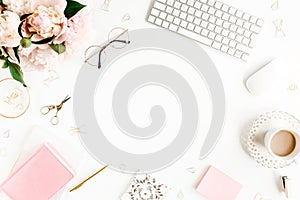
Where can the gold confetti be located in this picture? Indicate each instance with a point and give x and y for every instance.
(53, 75)
(275, 5)
(6, 134)
(106, 5)
(75, 130)
(278, 27)
(126, 17)
(14, 95)
(293, 87)
(191, 170)
(180, 195)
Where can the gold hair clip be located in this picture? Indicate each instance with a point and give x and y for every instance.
(87, 179)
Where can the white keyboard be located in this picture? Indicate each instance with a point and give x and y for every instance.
(210, 22)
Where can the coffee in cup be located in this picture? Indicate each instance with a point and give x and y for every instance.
(283, 143)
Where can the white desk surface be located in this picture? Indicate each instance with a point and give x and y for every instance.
(242, 109)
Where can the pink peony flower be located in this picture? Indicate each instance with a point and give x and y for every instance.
(38, 57)
(9, 23)
(44, 22)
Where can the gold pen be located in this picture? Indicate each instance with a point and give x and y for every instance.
(83, 182)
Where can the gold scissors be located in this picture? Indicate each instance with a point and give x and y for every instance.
(46, 109)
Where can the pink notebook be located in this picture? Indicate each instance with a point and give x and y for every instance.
(40, 177)
(215, 185)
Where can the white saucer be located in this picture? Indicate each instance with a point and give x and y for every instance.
(255, 137)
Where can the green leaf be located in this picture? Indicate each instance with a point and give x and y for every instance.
(72, 8)
(16, 72)
(44, 41)
(58, 48)
(1, 2)
(5, 64)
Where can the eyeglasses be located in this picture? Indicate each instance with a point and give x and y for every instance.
(118, 38)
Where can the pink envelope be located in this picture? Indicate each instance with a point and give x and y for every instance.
(215, 185)
(40, 177)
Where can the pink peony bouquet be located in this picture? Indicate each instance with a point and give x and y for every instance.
(33, 33)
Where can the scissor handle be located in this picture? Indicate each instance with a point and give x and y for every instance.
(46, 109)
(54, 120)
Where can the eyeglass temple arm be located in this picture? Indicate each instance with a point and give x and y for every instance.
(122, 41)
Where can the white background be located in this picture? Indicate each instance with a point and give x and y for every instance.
(242, 109)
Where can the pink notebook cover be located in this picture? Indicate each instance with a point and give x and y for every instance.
(215, 185)
(40, 177)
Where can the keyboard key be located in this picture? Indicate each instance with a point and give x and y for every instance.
(205, 16)
(212, 19)
(225, 8)
(183, 24)
(232, 19)
(151, 19)
(162, 1)
(170, 2)
(218, 38)
(218, 5)
(247, 34)
(173, 27)
(204, 32)
(240, 31)
(251, 44)
(246, 41)
(245, 56)
(253, 19)
(184, 8)
(211, 10)
(226, 25)
(203, 24)
(260, 22)
(247, 25)
(219, 13)
(198, 29)
(239, 38)
(176, 12)
(246, 16)
(218, 29)
(216, 45)
(211, 2)
(243, 48)
(232, 10)
(219, 22)
(165, 24)
(159, 6)
(195, 36)
(225, 16)
(225, 32)
(191, 26)
(163, 15)
(239, 22)
(204, 8)
(198, 13)
(255, 29)
(224, 48)
(211, 27)
(176, 21)
(158, 21)
(191, 10)
(183, 15)
(232, 43)
(239, 13)
(232, 35)
(197, 5)
(231, 51)
(203, 1)
(183, 1)
(191, 2)
(190, 18)
(233, 28)
(170, 18)
(211, 35)
(155, 12)
(169, 10)
(177, 5)
(225, 41)
(238, 54)
(197, 21)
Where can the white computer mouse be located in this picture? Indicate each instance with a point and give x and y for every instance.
(278, 77)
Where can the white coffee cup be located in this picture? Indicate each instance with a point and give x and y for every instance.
(283, 144)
